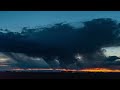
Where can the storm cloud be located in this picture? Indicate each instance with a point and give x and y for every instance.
(62, 42)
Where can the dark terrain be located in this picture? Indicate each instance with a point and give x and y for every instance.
(58, 75)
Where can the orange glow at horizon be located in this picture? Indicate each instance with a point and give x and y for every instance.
(70, 70)
(100, 70)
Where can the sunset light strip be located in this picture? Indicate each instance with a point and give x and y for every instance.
(68, 70)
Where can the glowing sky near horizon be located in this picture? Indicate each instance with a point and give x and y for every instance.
(112, 51)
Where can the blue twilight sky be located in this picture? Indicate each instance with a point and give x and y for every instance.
(14, 20)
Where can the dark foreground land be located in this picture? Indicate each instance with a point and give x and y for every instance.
(58, 75)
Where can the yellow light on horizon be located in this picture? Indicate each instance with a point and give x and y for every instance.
(94, 70)
(100, 70)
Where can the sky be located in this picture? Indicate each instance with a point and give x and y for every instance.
(113, 51)
(15, 20)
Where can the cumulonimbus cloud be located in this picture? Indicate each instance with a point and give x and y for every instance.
(62, 41)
